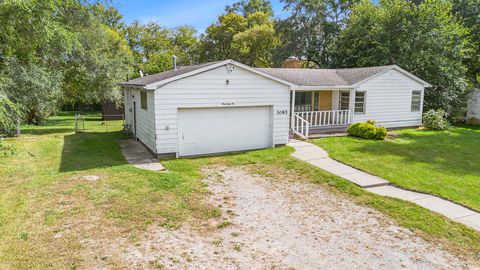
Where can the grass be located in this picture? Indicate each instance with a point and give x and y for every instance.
(445, 164)
(47, 209)
(52, 218)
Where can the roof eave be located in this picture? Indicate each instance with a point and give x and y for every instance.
(159, 84)
(133, 85)
(322, 87)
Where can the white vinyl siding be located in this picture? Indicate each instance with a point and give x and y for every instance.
(127, 99)
(145, 125)
(209, 90)
(389, 100)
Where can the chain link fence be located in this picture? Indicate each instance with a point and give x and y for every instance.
(99, 123)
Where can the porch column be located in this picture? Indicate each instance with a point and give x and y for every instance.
(351, 104)
(292, 110)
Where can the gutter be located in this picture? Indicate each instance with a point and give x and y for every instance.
(313, 88)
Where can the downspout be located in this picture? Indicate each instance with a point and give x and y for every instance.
(292, 110)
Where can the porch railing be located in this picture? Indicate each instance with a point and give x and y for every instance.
(325, 118)
(303, 108)
(300, 126)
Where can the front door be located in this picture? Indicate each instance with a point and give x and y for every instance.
(325, 101)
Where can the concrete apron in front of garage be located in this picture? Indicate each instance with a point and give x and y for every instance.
(137, 155)
(318, 157)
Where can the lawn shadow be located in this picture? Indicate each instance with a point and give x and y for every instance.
(45, 131)
(454, 152)
(85, 151)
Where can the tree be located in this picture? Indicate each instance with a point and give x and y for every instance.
(250, 38)
(312, 29)
(468, 12)
(247, 7)
(93, 73)
(65, 53)
(216, 43)
(424, 39)
(153, 46)
(108, 15)
(35, 90)
(32, 54)
(255, 45)
(9, 114)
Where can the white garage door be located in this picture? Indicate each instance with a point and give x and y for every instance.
(217, 130)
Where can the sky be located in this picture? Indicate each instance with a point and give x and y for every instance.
(172, 13)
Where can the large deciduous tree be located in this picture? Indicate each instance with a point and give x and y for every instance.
(468, 12)
(247, 7)
(312, 29)
(245, 33)
(424, 38)
(153, 46)
(54, 51)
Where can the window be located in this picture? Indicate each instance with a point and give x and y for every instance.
(416, 100)
(359, 102)
(143, 100)
(316, 99)
(344, 100)
(303, 101)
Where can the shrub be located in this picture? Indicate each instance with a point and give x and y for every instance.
(5, 148)
(367, 130)
(435, 120)
(9, 113)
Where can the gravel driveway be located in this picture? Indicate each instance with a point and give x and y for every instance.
(281, 224)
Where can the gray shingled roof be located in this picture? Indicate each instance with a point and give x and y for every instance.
(166, 75)
(324, 77)
(298, 76)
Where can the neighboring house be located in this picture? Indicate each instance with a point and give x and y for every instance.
(227, 106)
(473, 114)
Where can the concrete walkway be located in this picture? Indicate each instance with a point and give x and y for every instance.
(137, 155)
(318, 157)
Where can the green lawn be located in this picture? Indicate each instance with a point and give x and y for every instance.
(446, 164)
(49, 212)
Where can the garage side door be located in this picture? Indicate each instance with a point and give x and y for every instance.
(217, 130)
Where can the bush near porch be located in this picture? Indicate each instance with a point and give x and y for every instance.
(445, 164)
(367, 130)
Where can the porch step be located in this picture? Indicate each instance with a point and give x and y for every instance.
(328, 129)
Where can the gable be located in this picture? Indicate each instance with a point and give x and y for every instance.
(392, 77)
(227, 64)
(225, 79)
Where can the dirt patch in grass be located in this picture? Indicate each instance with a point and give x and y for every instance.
(279, 223)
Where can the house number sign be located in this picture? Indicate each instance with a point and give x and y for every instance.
(282, 112)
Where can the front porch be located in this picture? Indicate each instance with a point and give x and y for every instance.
(321, 111)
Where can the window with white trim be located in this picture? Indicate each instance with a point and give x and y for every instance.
(344, 100)
(360, 98)
(143, 100)
(303, 101)
(416, 100)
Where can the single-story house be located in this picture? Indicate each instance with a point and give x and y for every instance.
(473, 114)
(227, 106)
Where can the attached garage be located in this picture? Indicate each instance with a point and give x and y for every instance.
(218, 130)
(207, 109)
